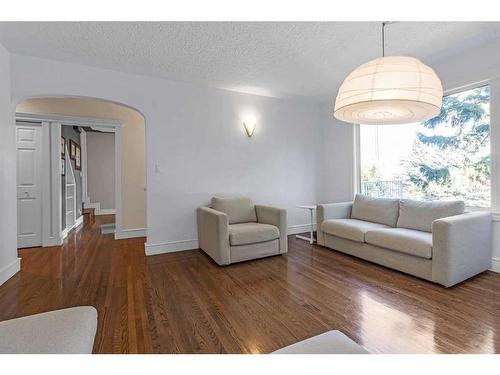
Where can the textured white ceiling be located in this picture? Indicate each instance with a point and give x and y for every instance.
(268, 58)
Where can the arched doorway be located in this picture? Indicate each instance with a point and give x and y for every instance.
(110, 137)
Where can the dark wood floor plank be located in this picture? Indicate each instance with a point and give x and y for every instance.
(184, 303)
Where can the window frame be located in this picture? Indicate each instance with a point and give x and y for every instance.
(494, 84)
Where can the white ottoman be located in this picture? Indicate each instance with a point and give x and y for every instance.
(57, 332)
(331, 342)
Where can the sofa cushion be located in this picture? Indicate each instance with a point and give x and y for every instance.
(331, 342)
(419, 215)
(237, 209)
(247, 233)
(350, 229)
(66, 331)
(408, 241)
(377, 210)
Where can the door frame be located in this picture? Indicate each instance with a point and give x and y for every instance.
(52, 234)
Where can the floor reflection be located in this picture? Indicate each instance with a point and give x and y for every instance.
(384, 327)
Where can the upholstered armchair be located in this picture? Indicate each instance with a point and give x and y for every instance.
(234, 230)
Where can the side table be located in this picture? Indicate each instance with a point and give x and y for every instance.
(311, 211)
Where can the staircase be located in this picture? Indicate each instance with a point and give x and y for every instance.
(70, 194)
(88, 215)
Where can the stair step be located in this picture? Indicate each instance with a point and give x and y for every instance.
(89, 214)
(108, 228)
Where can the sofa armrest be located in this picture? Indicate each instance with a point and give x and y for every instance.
(213, 234)
(330, 211)
(277, 217)
(461, 247)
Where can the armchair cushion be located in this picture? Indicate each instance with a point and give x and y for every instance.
(377, 210)
(237, 209)
(248, 233)
(350, 229)
(408, 241)
(419, 215)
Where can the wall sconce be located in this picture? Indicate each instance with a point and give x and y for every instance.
(249, 124)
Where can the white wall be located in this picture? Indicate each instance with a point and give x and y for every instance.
(9, 263)
(196, 146)
(101, 169)
(337, 158)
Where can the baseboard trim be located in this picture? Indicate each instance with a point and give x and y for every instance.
(95, 206)
(10, 270)
(170, 247)
(98, 210)
(302, 228)
(65, 231)
(53, 242)
(130, 233)
(495, 265)
(78, 222)
(64, 234)
(105, 211)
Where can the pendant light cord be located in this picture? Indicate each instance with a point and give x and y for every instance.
(383, 35)
(383, 39)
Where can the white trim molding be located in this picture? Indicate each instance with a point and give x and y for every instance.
(10, 270)
(130, 233)
(98, 210)
(174, 246)
(83, 145)
(96, 206)
(66, 231)
(302, 228)
(355, 185)
(170, 247)
(495, 265)
(70, 120)
(118, 180)
(106, 211)
(51, 184)
(495, 145)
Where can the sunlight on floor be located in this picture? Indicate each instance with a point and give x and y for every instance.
(385, 327)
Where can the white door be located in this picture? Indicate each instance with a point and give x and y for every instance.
(29, 205)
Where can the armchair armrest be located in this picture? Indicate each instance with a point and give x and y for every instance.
(327, 211)
(461, 247)
(213, 234)
(277, 217)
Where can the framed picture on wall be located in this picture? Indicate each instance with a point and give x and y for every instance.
(78, 158)
(63, 146)
(63, 167)
(72, 149)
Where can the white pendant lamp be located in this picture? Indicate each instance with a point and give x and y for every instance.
(389, 90)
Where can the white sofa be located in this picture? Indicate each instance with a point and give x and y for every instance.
(436, 241)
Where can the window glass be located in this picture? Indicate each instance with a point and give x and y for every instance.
(444, 158)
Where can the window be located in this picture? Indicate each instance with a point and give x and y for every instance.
(444, 158)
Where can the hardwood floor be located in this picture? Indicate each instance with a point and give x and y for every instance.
(184, 303)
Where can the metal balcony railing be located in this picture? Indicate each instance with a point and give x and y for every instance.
(386, 189)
